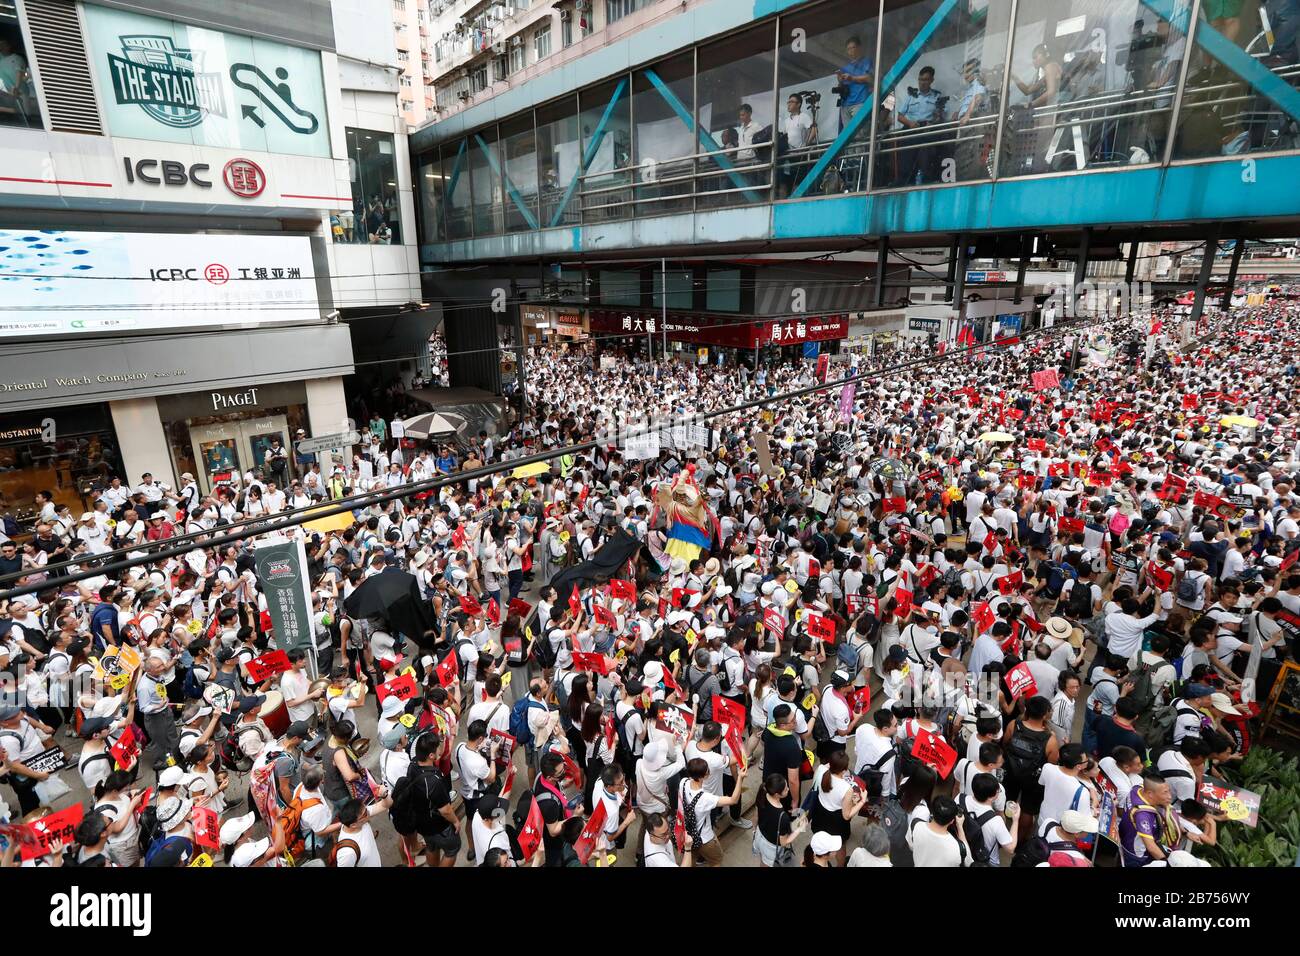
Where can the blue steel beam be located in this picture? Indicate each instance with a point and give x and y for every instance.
(455, 168)
(905, 60)
(712, 145)
(497, 168)
(1265, 81)
(589, 154)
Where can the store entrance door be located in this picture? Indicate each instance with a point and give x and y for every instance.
(228, 450)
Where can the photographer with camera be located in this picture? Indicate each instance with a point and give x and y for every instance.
(798, 132)
(854, 81)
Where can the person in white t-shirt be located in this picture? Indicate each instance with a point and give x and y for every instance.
(299, 699)
(354, 845)
(932, 841)
(487, 828)
(993, 823)
(1064, 785)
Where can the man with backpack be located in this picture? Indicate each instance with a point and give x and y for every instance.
(986, 827)
(532, 722)
(422, 804)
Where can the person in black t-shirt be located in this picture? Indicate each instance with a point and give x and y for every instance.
(783, 751)
(1118, 731)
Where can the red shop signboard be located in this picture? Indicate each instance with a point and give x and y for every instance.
(722, 330)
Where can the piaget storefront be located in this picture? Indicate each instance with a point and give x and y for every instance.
(224, 433)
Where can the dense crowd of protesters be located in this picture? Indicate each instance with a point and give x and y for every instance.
(961, 614)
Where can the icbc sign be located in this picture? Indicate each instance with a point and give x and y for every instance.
(243, 177)
(216, 273)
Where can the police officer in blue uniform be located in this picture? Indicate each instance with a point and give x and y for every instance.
(924, 107)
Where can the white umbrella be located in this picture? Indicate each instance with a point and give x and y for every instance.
(432, 424)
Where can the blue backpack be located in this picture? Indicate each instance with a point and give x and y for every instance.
(519, 728)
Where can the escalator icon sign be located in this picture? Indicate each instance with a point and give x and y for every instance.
(275, 95)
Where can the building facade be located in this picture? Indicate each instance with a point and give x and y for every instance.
(172, 251)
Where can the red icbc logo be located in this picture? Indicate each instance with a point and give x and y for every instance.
(243, 177)
(216, 273)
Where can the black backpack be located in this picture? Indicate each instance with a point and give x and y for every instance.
(544, 652)
(149, 829)
(403, 811)
(1032, 852)
(974, 827)
(1079, 602)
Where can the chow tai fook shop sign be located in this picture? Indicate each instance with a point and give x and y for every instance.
(723, 330)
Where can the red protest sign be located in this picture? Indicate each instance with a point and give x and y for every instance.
(586, 843)
(1058, 469)
(602, 616)
(207, 827)
(470, 605)
(520, 608)
(590, 662)
(903, 605)
(34, 838)
(1036, 444)
(859, 699)
(575, 602)
(403, 688)
(983, 617)
(1069, 525)
(1010, 583)
(1207, 501)
(991, 542)
(727, 711)
(773, 621)
(623, 590)
(682, 596)
(1191, 402)
(127, 749)
(267, 666)
(1021, 682)
(893, 505)
(1162, 578)
(933, 751)
(821, 627)
(448, 670)
(928, 574)
(1045, 379)
(494, 612)
(530, 835)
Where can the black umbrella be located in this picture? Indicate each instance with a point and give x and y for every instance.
(395, 596)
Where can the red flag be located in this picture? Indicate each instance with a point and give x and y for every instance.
(623, 590)
(1010, 583)
(1207, 501)
(470, 605)
(934, 751)
(983, 617)
(403, 688)
(991, 541)
(893, 505)
(572, 772)
(1191, 402)
(530, 835)
(590, 662)
(1162, 578)
(207, 827)
(575, 602)
(520, 608)
(1069, 525)
(448, 670)
(268, 665)
(1021, 682)
(586, 843)
(820, 627)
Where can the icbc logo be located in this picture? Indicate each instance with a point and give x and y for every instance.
(216, 273)
(243, 177)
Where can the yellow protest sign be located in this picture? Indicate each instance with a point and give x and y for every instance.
(407, 720)
(119, 681)
(675, 656)
(201, 860)
(505, 679)
(810, 701)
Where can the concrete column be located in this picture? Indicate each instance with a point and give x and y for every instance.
(327, 414)
(142, 440)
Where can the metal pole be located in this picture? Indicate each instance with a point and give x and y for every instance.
(957, 291)
(1207, 266)
(663, 321)
(1130, 269)
(882, 262)
(521, 349)
(952, 270)
(1081, 267)
(1226, 302)
(1021, 268)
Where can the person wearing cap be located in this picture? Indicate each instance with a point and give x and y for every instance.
(1149, 830)
(240, 849)
(174, 844)
(823, 849)
(1063, 836)
(22, 738)
(199, 724)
